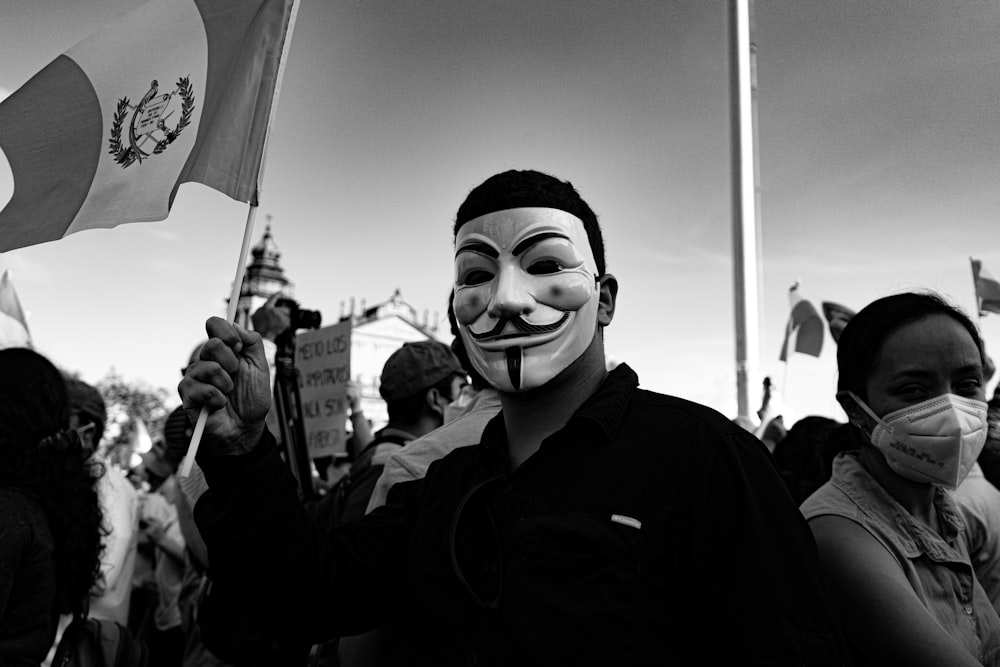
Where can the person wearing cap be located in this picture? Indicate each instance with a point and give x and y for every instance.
(418, 381)
(464, 419)
(596, 523)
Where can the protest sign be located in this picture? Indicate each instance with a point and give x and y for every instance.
(323, 361)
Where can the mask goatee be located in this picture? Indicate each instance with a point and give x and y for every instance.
(514, 357)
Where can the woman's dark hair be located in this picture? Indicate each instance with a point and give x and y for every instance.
(523, 189)
(42, 459)
(863, 337)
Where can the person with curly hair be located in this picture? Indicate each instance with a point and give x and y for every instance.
(50, 519)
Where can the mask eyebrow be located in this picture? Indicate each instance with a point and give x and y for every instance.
(537, 238)
(480, 247)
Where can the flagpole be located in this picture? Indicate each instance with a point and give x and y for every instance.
(234, 294)
(234, 297)
(788, 355)
(742, 79)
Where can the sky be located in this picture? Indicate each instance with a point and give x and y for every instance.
(879, 154)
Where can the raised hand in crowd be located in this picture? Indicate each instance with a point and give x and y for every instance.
(231, 380)
(271, 319)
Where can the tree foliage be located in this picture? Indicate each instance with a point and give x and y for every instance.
(127, 401)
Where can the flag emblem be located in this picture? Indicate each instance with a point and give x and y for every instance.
(148, 131)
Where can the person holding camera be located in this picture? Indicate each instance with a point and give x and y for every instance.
(281, 315)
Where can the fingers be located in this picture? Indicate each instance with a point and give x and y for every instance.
(196, 394)
(208, 381)
(227, 333)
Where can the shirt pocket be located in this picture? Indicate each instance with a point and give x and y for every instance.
(584, 569)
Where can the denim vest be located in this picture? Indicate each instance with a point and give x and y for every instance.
(939, 570)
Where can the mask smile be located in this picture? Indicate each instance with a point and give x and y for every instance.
(538, 333)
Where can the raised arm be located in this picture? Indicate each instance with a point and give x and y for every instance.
(277, 575)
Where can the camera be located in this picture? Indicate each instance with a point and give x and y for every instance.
(301, 318)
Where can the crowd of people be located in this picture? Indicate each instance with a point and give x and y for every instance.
(525, 504)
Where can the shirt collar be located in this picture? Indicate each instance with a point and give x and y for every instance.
(390, 431)
(605, 410)
(606, 407)
(487, 397)
(870, 496)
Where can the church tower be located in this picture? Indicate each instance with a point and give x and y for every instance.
(264, 276)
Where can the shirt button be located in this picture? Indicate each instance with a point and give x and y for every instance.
(471, 659)
(508, 487)
(968, 610)
(490, 567)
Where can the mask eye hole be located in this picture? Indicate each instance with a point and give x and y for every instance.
(544, 267)
(476, 277)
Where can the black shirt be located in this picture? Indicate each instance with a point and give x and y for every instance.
(649, 530)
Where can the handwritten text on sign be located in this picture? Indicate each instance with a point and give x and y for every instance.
(323, 361)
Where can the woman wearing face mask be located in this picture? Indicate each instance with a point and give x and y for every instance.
(889, 535)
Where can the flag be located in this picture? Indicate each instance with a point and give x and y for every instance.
(177, 91)
(837, 317)
(987, 288)
(13, 324)
(806, 322)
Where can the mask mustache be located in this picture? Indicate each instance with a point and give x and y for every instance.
(521, 325)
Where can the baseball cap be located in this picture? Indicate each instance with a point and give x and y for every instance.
(416, 367)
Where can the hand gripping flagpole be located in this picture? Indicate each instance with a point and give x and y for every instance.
(234, 295)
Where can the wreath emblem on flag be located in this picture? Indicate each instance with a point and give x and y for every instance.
(148, 132)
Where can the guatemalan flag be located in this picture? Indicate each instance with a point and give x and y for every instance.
(176, 91)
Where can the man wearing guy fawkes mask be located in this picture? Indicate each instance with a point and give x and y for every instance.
(527, 289)
(595, 523)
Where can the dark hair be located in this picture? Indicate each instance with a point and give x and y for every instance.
(87, 403)
(522, 189)
(42, 459)
(866, 333)
(408, 410)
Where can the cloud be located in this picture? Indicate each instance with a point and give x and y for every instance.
(675, 255)
(167, 266)
(163, 234)
(25, 270)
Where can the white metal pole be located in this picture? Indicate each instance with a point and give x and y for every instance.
(743, 116)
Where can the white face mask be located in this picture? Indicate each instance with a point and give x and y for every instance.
(935, 441)
(526, 294)
(458, 407)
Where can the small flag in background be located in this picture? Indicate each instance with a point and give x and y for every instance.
(807, 324)
(13, 324)
(987, 288)
(176, 91)
(837, 317)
